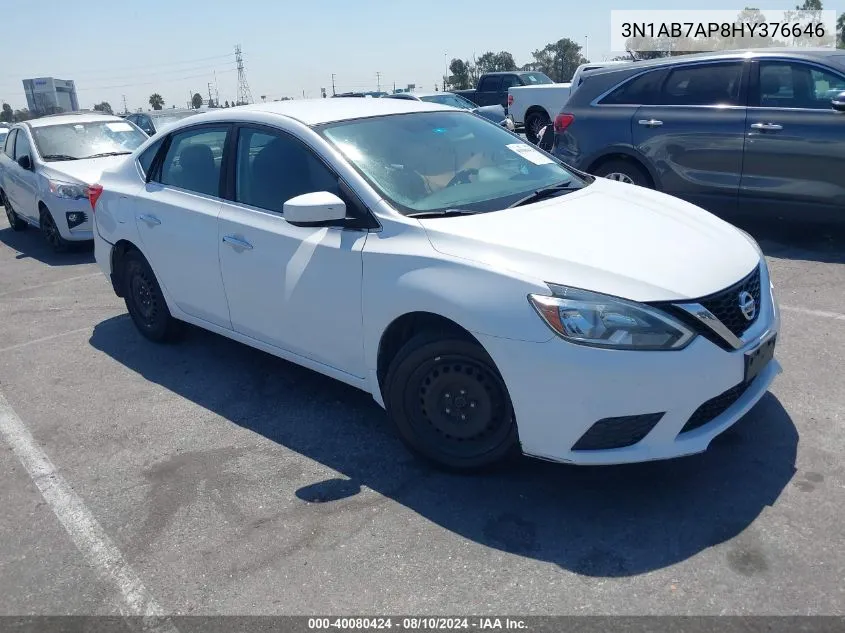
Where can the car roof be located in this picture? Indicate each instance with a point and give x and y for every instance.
(319, 111)
(65, 119)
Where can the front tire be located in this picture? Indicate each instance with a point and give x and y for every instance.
(450, 404)
(145, 302)
(15, 221)
(535, 122)
(51, 232)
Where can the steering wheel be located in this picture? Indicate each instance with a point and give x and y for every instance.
(462, 177)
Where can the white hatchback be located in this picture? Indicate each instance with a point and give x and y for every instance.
(490, 298)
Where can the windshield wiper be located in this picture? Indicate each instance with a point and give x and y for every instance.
(441, 213)
(59, 157)
(107, 154)
(545, 192)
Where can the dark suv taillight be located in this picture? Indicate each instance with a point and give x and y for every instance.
(563, 121)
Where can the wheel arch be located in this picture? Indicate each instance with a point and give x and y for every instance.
(118, 252)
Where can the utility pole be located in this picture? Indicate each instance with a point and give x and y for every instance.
(125, 109)
(210, 100)
(333, 90)
(244, 93)
(378, 79)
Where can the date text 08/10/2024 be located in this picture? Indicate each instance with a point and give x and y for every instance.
(416, 623)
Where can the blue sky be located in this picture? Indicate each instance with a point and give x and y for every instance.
(175, 46)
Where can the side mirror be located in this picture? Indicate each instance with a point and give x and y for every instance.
(316, 208)
(838, 102)
(25, 162)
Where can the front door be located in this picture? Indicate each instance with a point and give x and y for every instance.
(25, 182)
(795, 142)
(176, 215)
(693, 133)
(294, 287)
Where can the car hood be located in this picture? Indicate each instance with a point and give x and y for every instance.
(609, 237)
(84, 171)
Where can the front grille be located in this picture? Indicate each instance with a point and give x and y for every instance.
(714, 407)
(725, 304)
(617, 432)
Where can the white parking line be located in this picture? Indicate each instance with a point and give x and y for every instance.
(50, 283)
(818, 313)
(86, 533)
(44, 339)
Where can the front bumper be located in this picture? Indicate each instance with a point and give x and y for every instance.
(82, 232)
(560, 391)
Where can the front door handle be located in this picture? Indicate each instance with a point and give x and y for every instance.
(768, 127)
(650, 122)
(150, 219)
(237, 242)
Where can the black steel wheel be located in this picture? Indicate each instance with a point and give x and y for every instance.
(51, 233)
(450, 404)
(145, 301)
(15, 221)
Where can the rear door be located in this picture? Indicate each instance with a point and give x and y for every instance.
(488, 91)
(795, 142)
(7, 181)
(693, 135)
(176, 215)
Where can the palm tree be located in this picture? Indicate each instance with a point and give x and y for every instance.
(156, 101)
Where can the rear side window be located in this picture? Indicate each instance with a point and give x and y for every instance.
(490, 84)
(148, 156)
(9, 149)
(193, 160)
(707, 84)
(642, 90)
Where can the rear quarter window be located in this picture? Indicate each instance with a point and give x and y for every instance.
(640, 90)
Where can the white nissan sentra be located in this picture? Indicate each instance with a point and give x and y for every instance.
(490, 298)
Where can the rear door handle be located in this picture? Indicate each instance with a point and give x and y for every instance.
(237, 242)
(650, 122)
(768, 127)
(149, 219)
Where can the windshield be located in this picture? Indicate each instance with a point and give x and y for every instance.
(163, 120)
(433, 161)
(450, 100)
(73, 141)
(536, 78)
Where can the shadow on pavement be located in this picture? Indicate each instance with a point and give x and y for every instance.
(792, 240)
(606, 522)
(31, 244)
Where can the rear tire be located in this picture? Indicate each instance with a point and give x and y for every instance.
(51, 232)
(145, 302)
(450, 404)
(535, 122)
(15, 221)
(626, 171)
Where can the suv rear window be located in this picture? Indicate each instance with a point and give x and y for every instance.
(641, 90)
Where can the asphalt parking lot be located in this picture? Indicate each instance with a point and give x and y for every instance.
(225, 481)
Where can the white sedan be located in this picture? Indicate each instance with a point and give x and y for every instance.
(47, 164)
(490, 298)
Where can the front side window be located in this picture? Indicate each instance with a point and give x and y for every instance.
(271, 168)
(797, 85)
(434, 161)
(509, 81)
(22, 146)
(193, 160)
(706, 84)
(93, 139)
(9, 148)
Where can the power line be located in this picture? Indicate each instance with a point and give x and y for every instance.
(148, 83)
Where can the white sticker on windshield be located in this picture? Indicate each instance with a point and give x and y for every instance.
(529, 153)
(119, 127)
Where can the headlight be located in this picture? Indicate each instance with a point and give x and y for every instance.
(589, 318)
(68, 190)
